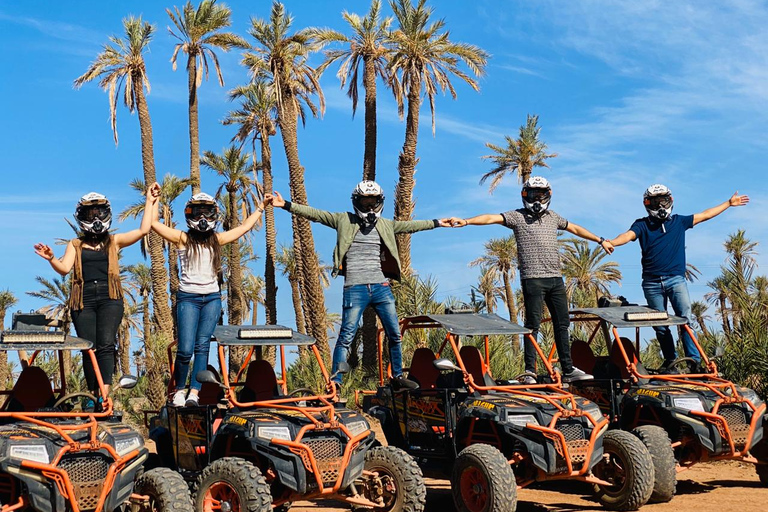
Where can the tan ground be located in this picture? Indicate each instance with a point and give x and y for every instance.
(716, 487)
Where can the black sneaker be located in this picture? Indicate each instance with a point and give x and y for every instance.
(401, 382)
(575, 374)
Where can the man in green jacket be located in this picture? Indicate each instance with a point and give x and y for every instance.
(366, 255)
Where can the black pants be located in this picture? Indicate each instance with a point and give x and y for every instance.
(98, 322)
(549, 290)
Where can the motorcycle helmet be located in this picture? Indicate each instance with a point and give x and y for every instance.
(658, 202)
(93, 213)
(368, 201)
(536, 194)
(201, 212)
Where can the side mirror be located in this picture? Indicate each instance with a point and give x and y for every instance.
(343, 367)
(207, 377)
(445, 365)
(126, 382)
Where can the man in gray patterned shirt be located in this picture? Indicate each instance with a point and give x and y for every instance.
(541, 274)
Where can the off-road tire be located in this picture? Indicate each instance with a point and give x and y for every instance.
(166, 489)
(242, 476)
(659, 446)
(637, 465)
(762, 473)
(497, 479)
(409, 481)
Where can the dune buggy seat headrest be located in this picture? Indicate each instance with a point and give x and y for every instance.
(31, 392)
(475, 366)
(260, 382)
(422, 370)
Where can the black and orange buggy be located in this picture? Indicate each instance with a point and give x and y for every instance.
(492, 435)
(252, 444)
(55, 457)
(683, 418)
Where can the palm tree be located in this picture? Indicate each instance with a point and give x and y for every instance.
(198, 34)
(256, 118)
(520, 155)
(488, 287)
(253, 291)
(286, 261)
(699, 312)
(282, 58)
(56, 294)
(121, 68)
(586, 275)
(7, 301)
(500, 259)
(140, 282)
(130, 311)
(720, 296)
(423, 58)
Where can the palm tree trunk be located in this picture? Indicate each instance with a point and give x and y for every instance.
(312, 292)
(270, 302)
(123, 350)
(194, 135)
(510, 295)
(173, 269)
(235, 300)
(159, 278)
(702, 325)
(145, 318)
(296, 296)
(406, 167)
(5, 374)
(724, 315)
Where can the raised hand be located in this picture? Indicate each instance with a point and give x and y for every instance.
(607, 246)
(276, 199)
(44, 251)
(737, 200)
(153, 192)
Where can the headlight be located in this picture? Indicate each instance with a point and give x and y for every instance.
(752, 397)
(594, 411)
(357, 427)
(127, 445)
(275, 433)
(689, 404)
(33, 452)
(522, 420)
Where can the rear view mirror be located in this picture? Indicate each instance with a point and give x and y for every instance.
(343, 367)
(445, 365)
(207, 377)
(127, 382)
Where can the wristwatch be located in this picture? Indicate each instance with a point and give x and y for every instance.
(600, 242)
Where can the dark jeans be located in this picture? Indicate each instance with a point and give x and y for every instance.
(98, 322)
(197, 315)
(549, 290)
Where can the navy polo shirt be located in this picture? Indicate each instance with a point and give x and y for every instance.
(663, 249)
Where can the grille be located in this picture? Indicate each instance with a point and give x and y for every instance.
(87, 474)
(737, 424)
(572, 431)
(575, 441)
(327, 452)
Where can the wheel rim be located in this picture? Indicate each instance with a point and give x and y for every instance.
(612, 469)
(221, 497)
(474, 489)
(388, 487)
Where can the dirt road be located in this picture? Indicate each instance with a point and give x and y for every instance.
(717, 487)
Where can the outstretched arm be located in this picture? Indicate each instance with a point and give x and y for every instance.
(61, 266)
(170, 234)
(624, 238)
(588, 235)
(323, 217)
(479, 220)
(735, 200)
(247, 225)
(133, 236)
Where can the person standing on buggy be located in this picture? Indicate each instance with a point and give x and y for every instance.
(662, 242)
(96, 293)
(198, 301)
(366, 255)
(541, 274)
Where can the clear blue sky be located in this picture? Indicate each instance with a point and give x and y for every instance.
(628, 94)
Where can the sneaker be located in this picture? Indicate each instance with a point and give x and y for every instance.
(575, 374)
(192, 400)
(528, 380)
(179, 398)
(88, 405)
(401, 382)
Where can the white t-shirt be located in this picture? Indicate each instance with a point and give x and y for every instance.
(198, 275)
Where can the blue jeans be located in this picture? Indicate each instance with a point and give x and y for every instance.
(356, 299)
(660, 290)
(197, 315)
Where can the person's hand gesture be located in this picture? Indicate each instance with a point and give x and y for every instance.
(153, 193)
(607, 246)
(444, 223)
(737, 200)
(44, 251)
(276, 199)
(457, 222)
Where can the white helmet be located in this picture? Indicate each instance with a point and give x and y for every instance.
(93, 213)
(201, 212)
(658, 201)
(536, 194)
(368, 201)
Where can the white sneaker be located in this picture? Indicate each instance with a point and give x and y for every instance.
(576, 375)
(179, 398)
(192, 401)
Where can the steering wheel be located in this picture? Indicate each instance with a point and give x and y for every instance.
(70, 396)
(301, 392)
(680, 360)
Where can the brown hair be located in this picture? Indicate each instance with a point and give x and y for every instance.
(208, 239)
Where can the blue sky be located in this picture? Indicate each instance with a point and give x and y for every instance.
(628, 94)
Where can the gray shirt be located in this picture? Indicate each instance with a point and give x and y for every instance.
(363, 260)
(538, 253)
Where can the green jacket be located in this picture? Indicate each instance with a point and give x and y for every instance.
(347, 225)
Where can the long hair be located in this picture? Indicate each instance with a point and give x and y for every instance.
(208, 239)
(100, 240)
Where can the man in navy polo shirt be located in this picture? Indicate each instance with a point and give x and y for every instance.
(662, 241)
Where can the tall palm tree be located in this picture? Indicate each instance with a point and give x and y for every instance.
(199, 32)
(56, 295)
(500, 258)
(720, 296)
(423, 58)
(7, 301)
(699, 312)
(140, 282)
(586, 275)
(253, 291)
(121, 69)
(256, 119)
(488, 287)
(286, 261)
(130, 312)
(282, 58)
(520, 155)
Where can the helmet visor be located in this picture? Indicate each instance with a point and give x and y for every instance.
(93, 212)
(201, 211)
(368, 203)
(656, 202)
(537, 195)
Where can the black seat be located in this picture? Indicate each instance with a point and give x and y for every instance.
(31, 392)
(210, 393)
(260, 383)
(422, 370)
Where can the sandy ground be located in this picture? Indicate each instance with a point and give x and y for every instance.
(713, 487)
